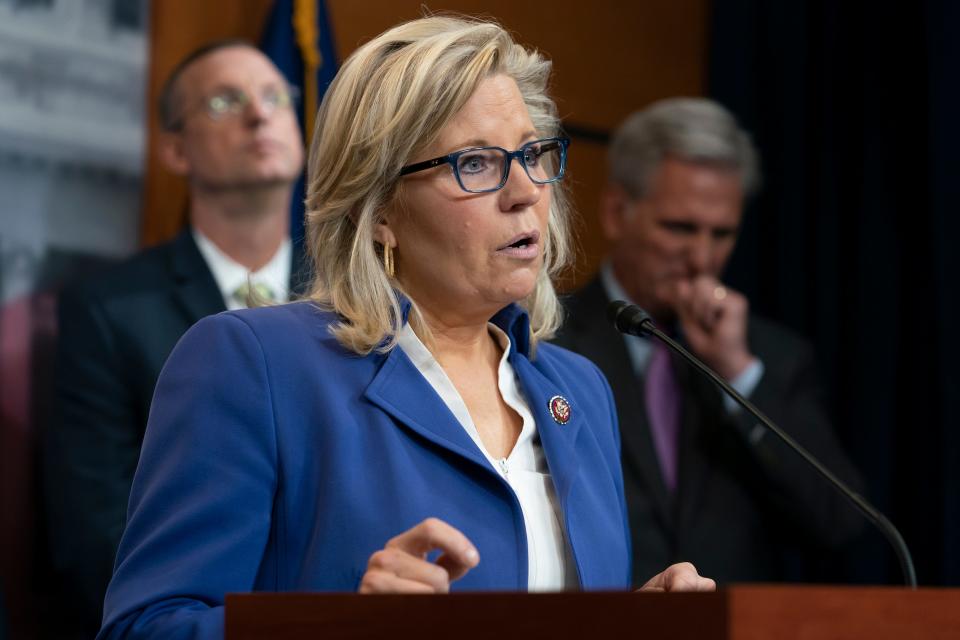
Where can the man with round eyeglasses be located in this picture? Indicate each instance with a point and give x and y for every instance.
(229, 128)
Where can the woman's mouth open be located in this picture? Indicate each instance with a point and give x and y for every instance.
(524, 246)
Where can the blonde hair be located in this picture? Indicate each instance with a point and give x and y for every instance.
(389, 102)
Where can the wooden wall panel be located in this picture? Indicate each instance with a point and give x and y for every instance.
(610, 58)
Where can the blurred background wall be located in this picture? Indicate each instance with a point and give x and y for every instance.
(72, 141)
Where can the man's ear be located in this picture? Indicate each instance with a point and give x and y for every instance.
(172, 154)
(615, 208)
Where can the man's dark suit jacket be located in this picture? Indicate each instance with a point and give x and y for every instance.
(739, 503)
(116, 331)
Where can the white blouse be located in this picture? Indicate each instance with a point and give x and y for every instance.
(550, 563)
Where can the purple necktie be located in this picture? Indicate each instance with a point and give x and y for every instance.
(662, 396)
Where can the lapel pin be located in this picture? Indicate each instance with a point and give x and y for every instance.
(559, 409)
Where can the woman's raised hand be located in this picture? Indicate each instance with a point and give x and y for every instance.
(402, 565)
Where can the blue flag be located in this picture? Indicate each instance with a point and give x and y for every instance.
(299, 40)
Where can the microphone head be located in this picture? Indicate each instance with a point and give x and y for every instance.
(614, 309)
(629, 318)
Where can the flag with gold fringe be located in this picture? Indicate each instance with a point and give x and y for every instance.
(299, 40)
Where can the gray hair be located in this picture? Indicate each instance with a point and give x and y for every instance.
(692, 129)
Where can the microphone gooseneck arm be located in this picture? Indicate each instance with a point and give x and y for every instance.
(632, 320)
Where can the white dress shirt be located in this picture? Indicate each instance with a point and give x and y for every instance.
(550, 563)
(230, 275)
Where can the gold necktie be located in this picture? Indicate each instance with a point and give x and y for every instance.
(256, 295)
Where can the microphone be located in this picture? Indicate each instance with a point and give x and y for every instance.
(634, 321)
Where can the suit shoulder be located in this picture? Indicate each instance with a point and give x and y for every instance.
(584, 310)
(281, 324)
(588, 299)
(143, 271)
(292, 342)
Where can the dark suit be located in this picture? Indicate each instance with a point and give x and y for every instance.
(739, 504)
(116, 331)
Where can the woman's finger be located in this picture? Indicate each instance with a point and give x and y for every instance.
(377, 581)
(397, 562)
(679, 577)
(458, 553)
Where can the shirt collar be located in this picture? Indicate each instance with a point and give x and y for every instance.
(637, 348)
(513, 320)
(230, 274)
(611, 285)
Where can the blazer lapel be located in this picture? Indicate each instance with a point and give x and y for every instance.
(194, 287)
(401, 391)
(592, 335)
(701, 407)
(558, 439)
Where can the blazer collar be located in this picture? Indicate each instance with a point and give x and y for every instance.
(195, 289)
(512, 319)
(400, 390)
(600, 341)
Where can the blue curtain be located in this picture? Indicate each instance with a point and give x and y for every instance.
(854, 108)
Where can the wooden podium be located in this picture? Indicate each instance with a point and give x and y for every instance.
(751, 612)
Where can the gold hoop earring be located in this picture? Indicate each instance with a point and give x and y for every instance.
(388, 260)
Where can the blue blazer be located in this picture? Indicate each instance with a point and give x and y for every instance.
(276, 460)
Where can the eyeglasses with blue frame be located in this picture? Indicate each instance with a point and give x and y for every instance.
(486, 169)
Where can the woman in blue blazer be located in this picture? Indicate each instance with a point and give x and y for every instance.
(405, 429)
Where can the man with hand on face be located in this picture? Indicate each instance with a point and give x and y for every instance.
(704, 482)
(228, 126)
